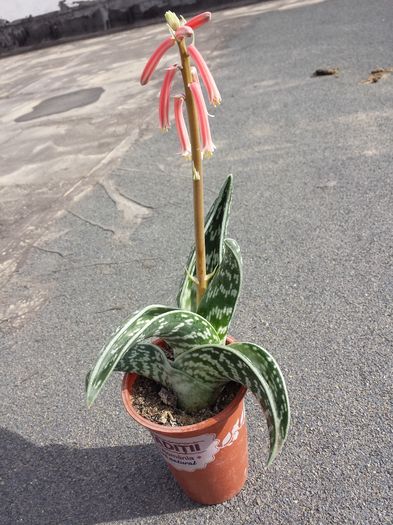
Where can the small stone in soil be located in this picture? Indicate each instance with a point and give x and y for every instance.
(167, 397)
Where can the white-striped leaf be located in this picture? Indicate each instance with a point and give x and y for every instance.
(191, 393)
(219, 301)
(147, 360)
(180, 328)
(215, 230)
(112, 351)
(217, 364)
(270, 370)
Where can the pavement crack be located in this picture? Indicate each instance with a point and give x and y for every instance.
(27, 378)
(92, 223)
(147, 206)
(110, 309)
(113, 193)
(93, 265)
(46, 250)
(109, 194)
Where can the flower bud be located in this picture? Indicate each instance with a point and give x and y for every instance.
(172, 20)
(199, 20)
(183, 31)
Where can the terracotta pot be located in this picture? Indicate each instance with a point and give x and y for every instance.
(209, 459)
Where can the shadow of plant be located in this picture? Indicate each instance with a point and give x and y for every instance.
(64, 485)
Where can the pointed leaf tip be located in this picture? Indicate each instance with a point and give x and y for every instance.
(215, 231)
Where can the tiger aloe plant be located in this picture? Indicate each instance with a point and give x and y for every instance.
(197, 329)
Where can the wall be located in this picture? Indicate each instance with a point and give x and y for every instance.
(82, 19)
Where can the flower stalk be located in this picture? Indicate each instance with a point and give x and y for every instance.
(196, 153)
(201, 144)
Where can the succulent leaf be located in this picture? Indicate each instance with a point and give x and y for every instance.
(265, 362)
(148, 360)
(180, 328)
(217, 364)
(219, 301)
(192, 394)
(113, 350)
(215, 230)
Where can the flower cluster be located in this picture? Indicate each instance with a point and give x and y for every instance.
(181, 29)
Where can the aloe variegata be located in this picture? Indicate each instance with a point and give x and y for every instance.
(197, 329)
(202, 362)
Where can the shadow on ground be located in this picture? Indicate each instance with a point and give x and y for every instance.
(63, 485)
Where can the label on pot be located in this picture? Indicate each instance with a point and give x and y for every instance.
(195, 453)
(188, 453)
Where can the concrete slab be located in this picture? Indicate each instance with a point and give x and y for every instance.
(49, 156)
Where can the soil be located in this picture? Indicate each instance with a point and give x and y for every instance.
(155, 403)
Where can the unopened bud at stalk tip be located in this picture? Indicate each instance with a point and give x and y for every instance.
(172, 20)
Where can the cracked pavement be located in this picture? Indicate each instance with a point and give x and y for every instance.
(96, 222)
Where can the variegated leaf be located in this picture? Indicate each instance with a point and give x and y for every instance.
(217, 364)
(180, 328)
(219, 301)
(215, 230)
(270, 370)
(148, 360)
(192, 394)
(112, 351)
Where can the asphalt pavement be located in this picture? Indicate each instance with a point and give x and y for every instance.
(313, 214)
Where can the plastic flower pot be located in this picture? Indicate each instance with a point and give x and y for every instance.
(209, 459)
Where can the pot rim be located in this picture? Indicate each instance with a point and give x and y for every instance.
(221, 417)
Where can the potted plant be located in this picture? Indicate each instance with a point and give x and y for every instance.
(194, 358)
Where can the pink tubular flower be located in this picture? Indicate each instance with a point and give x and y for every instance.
(163, 110)
(155, 58)
(207, 77)
(181, 127)
(207, 144)
(194, 74)
(199, 20)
